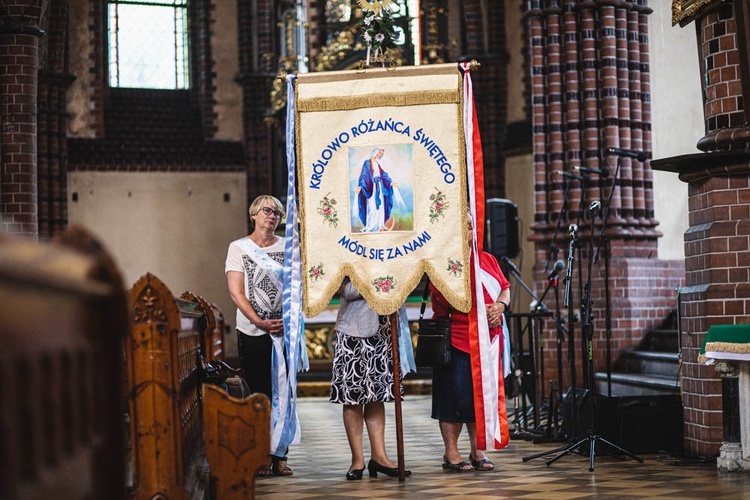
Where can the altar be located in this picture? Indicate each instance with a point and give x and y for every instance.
(728, 348)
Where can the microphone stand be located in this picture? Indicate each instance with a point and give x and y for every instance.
(573, 229)
(579, 217)
(538, 308)
(553, 249)
(592, 438)
(586, 302)
(603, 241)
(539, 388)
(561, 330)
(551, 432)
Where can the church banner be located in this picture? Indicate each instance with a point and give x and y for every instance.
(382, 184)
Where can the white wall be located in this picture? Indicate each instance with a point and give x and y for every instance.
(176, 226)
(676, 118)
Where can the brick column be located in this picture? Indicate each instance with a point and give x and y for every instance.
(19, 50)
(485, 42)
(717, 243)
(257, 72)
(590, 91)
(52, 123)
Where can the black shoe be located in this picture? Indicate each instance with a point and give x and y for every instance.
(375, 467)
(354, 474)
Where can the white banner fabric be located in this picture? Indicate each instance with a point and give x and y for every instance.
(382, 184)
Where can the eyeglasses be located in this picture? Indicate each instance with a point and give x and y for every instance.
(270, 211)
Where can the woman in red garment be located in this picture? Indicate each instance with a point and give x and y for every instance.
(452, 387)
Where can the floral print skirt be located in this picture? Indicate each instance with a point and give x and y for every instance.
(363, 368)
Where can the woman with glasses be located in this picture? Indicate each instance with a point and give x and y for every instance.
(254, 268)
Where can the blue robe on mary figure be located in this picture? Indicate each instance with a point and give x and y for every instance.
(374, 188)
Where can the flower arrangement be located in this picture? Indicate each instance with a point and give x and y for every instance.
(438, 204)
(455, 267)
(328, 211)
(384, 284)
(379, 28)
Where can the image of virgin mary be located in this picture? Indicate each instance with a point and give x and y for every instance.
(374, 193)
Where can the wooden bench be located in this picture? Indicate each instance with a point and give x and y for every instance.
(237, 433)
(63, 315)
(170, 414)
(212, 331)
(164, 409)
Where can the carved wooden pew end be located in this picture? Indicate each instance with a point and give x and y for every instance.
(237, 436)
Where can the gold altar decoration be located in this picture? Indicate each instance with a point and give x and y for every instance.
(685, 11)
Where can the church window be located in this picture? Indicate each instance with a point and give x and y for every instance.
(148, 44)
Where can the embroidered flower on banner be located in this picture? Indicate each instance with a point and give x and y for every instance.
(455, 267)
(438, 204)
(316, 272)
(328, 211)
(384, 284)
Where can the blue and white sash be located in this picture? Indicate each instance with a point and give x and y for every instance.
(273, 269)
(286, 429)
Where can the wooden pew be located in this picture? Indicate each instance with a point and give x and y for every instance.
(212, 332)
(63, 315)
(237, 433)
(164, 401)
(236, 425)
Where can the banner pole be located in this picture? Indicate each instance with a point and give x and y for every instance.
(397, 396)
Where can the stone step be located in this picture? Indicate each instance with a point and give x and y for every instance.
(634, 384)
(650, 363)
(661, 341)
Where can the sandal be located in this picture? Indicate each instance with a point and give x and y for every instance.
(280, 468)
(264, 471)
(483, 465)
(462, 466)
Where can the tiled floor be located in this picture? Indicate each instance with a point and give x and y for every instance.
(322, 458)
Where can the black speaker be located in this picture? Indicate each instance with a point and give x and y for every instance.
(643, 424)
(638, 424)
(501, 233)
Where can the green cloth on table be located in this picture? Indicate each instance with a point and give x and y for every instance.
(730, 339)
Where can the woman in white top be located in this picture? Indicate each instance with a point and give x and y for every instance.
(253, 269)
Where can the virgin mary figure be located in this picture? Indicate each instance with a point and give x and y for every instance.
(374, 193)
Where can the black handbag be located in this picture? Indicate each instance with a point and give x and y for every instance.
(433, 339)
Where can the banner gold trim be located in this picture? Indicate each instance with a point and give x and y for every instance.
(379, 101)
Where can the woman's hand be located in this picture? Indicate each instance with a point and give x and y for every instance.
(494, 314)
(272, 326)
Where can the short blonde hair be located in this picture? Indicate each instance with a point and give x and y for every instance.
(257, 204)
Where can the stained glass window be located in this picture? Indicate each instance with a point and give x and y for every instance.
(148, 44)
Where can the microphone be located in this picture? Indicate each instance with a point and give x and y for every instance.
(600, 172)
(594, 208)
(510, 264)
(628, 153)
(569, 175)
(559, 266)
(573, 228)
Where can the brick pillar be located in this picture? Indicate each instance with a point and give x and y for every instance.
(52, 125)
(19, 49)
(257, 72)
(717, 243)
(590, 91)
(485, 41)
